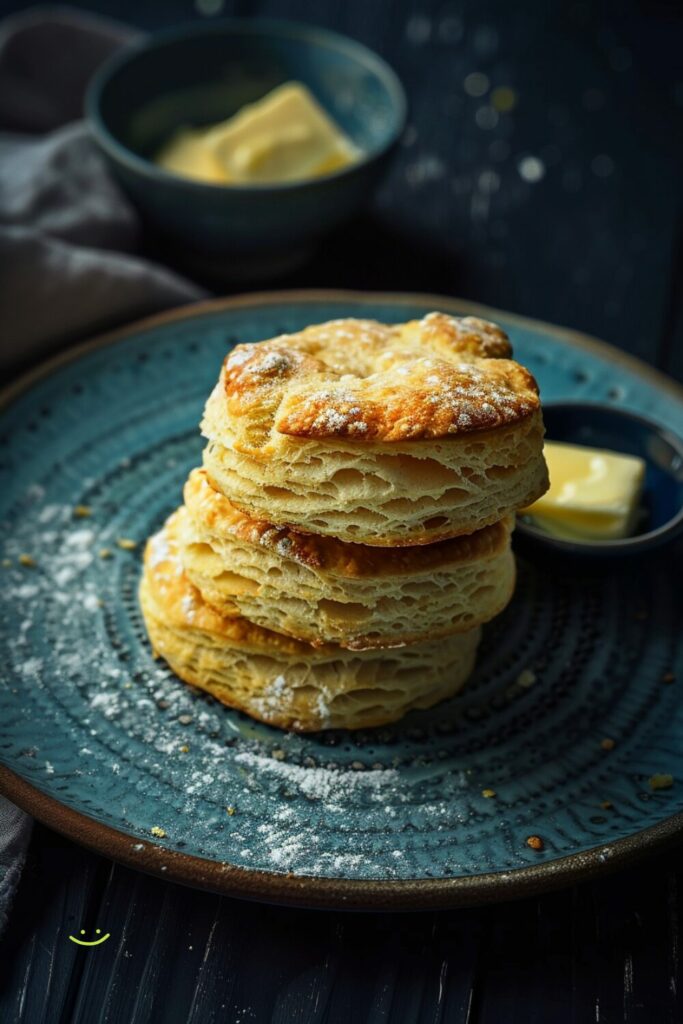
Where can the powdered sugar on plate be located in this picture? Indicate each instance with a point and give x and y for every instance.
(324, 784)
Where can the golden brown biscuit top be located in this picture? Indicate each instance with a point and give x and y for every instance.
(183, 605)
(357, 379)
(211, 509)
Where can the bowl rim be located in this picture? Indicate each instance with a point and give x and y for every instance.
(279, 27)
(616, 545)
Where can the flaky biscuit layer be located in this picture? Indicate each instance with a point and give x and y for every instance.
(282, 681)
(323, 590)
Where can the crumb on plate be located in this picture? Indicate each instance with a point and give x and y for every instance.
(526, 678)
(661, 781)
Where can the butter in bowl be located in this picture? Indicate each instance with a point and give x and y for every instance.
(286, 136)
(616, 483)
(242, 142)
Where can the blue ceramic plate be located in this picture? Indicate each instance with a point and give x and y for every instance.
(102, 742)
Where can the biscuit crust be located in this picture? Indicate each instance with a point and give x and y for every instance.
(427, 379)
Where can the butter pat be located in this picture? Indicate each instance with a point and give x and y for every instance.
(286, 136)
(593, 493)
(187, 153)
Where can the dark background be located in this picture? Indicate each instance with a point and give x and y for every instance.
(594, 242)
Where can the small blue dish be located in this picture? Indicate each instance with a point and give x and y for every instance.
(200, 75)
(603, 426)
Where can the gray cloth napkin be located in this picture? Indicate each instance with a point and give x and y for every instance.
(69, 265)
(15, 830)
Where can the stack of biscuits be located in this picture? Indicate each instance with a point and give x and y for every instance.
(349, 531)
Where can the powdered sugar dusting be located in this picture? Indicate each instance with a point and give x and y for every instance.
(273, 362)
(239, 356)
(331, 419)
(158, 549)
(323, 784)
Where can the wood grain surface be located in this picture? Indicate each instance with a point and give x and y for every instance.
(606, 951)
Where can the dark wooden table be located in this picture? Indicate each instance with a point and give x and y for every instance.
(566, 207)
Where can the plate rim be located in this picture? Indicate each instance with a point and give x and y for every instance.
(583, 340)
(316, 891)
(325, 893)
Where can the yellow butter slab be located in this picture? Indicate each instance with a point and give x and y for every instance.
(187, 153)
(286, 136)
(594, 493)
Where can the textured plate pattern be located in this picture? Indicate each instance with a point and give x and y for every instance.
(89, 717)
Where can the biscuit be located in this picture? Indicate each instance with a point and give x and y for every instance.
(374, 434)
(326, 591)
(283, 681)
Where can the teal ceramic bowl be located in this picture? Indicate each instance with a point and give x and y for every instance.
(200, 75)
